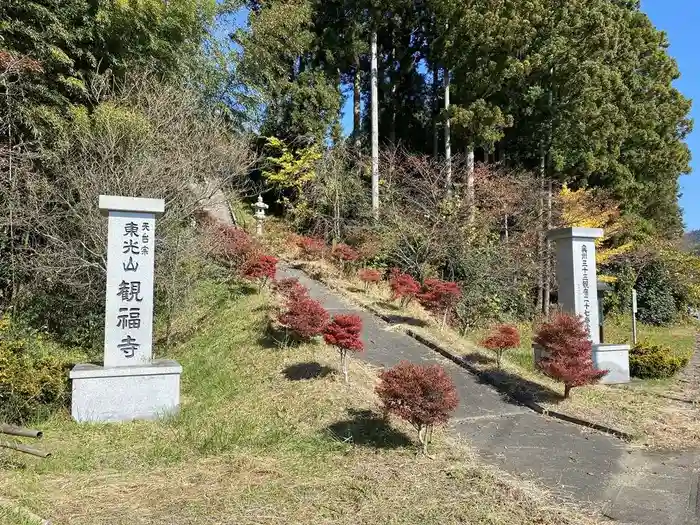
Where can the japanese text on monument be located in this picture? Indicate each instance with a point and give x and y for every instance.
(134, 251)
(586, 288)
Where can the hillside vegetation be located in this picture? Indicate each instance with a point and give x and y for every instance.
(254, 442)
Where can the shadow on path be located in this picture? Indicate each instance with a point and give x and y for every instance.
(309, 370)
(515, 384)
(367, 428)
(477, 358)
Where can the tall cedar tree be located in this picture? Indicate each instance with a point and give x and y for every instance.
(344, 333)
(424, 396)
(569, 352)
(502, 338)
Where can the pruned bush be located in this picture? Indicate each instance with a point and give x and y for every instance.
(33, 375)
(344, 333)
(304, 318)
(403, 286)
(344, 255)
(369, 276)
(502, 338)
(424, 396)
(569, 352)
(648, 361)
(232, 246)
(260, 268)
(311, 247)
(290, 289)
(655, 292)
(439, 297)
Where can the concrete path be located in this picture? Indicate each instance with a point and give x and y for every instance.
(625, 484)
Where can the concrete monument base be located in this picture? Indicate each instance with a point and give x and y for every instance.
(615, 359)
(125, 393)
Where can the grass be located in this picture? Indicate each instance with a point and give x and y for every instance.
(658, 413)
(265, 435)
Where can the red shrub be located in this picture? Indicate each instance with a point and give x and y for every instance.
(403, 286)
(422, 395)
(290, 288)
(344, 253)
(260, 267)
(233, 245)
(502, 338)
(369, 276)
(304, 317)
(344, 333)
(568, 352)
(439, 296)
(311, 248)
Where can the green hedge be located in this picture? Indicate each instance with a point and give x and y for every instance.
(33, 374)
(648, 361)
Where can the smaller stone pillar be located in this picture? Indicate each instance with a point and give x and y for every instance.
(259, 215)
(576, 274)
(577, 282)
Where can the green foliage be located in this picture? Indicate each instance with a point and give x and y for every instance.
(495, 289)
(648, 361)
(301, 101)
(33, 374)
(655, 300)
(290, 172)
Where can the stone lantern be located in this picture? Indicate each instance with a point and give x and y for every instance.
(259, 215)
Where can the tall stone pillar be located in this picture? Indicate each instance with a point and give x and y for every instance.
(130, 385)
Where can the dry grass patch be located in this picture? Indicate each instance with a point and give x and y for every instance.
(265, 435)
(659, 413)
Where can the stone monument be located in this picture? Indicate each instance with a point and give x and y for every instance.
(130, 384)
(578, 294)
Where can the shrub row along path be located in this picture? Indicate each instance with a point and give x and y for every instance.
(626, 484)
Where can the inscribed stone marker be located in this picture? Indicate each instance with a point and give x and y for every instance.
(129, 295)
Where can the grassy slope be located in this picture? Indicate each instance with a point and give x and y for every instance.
(251, 446)
(657, 413)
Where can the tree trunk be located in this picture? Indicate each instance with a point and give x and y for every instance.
(505, 225)
(436, 110)
(356, 107)
(471, 198)
(448, 145)
(375, 129)
(548, 252)
(344, 364)
(567, 391)
(336, 213)
(393, 77)
(540, 237)
(423, 439)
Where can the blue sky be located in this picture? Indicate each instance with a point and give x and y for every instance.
(681, 21)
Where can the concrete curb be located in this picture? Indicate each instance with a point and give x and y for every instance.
(485, 378)
(521, 399)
